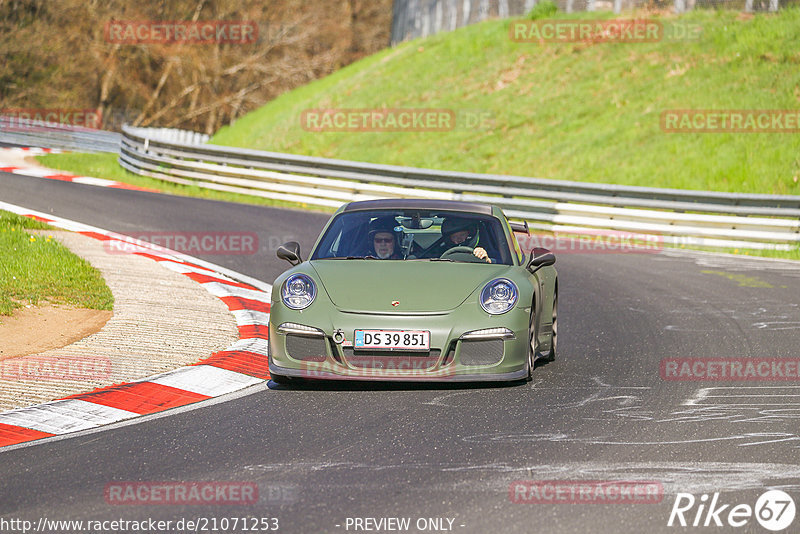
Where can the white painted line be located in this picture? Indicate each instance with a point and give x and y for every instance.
(88, 180)
(248, 317)
(118, 246)
(169, 260)
(34, 171)
(182, 268)
(32, 150)
(219, 289)
(206, 380)
(61, 417)
(69, 225)
(256, 344)
(128, 245)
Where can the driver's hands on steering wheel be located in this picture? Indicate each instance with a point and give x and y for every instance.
(481, 253)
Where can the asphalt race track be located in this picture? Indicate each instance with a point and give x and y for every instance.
(323, 453)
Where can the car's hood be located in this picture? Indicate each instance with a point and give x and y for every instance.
(371, 286)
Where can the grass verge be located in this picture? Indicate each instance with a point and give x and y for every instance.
(793, 254)
(37, 268)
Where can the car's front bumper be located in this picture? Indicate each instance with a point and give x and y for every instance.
(330, 375)
(319, 353)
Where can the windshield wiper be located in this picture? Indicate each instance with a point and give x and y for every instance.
(440, 259)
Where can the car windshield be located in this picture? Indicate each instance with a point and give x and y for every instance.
(415, 235)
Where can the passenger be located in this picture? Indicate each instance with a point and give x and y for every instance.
(382, 240)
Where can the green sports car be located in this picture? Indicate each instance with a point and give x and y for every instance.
(414, 290)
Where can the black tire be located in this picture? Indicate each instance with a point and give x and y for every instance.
(554, 340)
(280, 379)
(532, 342)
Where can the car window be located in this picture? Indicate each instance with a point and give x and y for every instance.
(414, 235)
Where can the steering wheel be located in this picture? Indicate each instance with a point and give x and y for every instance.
(461, 253)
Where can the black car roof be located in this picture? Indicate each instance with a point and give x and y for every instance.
(419, 203)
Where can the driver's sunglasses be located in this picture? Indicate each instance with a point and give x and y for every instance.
(383, 239)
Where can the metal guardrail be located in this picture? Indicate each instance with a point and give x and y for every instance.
(703, 218)
(27, 132)
(680, 217)
(55, 135)
(170, 135)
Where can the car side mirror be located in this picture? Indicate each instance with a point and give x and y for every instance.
(540, 257)
(290, 252)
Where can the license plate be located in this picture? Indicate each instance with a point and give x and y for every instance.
(392, 340)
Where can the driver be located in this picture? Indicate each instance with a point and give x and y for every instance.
(460, 232)
(382, 240)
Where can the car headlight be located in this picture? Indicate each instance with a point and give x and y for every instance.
(499, 296)
(298, 291)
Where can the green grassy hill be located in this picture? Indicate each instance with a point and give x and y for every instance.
(572, 111)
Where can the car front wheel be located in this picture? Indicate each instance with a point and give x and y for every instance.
(280, 379)
(533, 343)
(554, 339)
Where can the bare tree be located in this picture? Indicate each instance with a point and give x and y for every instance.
(59, 56)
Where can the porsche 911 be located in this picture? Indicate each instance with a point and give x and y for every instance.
(414, 290)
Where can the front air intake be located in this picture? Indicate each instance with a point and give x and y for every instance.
(306, 348)
(486, 352)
